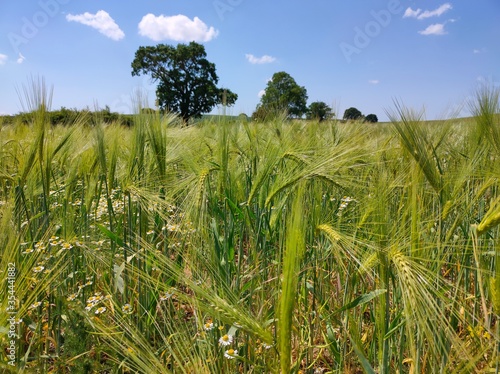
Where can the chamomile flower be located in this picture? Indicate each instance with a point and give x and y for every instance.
(94, 299)
(127, 309)
(38, 269)
(67, 245)
(231, 353)
(72, 297)
(165, 296)
(39, 246)
(100, 310)
(35, 305)
(99, 244)
(344, 202)
(226, 340)
(209, 325)
(173, 228)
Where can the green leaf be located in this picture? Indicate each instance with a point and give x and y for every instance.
(237, 212)
(361, 356)
(230, 254)
(111, 235)
(363, 299)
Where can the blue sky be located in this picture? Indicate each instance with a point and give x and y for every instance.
(427, 54)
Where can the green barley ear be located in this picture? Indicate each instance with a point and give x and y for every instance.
(490, 219)
(495, 292)
(201, 186)
(201, 193)
(419, 145)
(329, 231)
(485, 107)
(495, 284)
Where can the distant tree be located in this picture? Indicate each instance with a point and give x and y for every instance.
(127, 120)
(372, 118)
(187, 81)
(63, 116)
(263, 113)
(352, 114)
(69, 117)
(319, 111)
(107, 115)
(242, 117)
(6, 120)
(283, 94)
(147, 111)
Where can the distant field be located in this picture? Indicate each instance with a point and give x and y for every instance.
(233, 246)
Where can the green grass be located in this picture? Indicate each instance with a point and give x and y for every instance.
(307, 247)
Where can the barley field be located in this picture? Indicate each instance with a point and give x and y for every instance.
(235, 247)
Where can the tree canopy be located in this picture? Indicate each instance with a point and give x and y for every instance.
(372, 118)
(319, 111)
(352, 114)
(283, 94)
(187, 81)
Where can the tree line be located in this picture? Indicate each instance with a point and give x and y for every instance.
(70, 116)
(187, 85)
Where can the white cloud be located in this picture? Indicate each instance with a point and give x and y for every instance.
(374, 81)
(178, 28)
(260, 60)
(435, 29)
(411, 13)
(20, 59)
(436, 12)
(418, 14)
(261, 93)
(100, 21)
(3, 59)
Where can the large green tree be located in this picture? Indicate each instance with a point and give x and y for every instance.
(283, 94)
(319, 111)
(352, 114)
(372, 118)
(187, 81)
